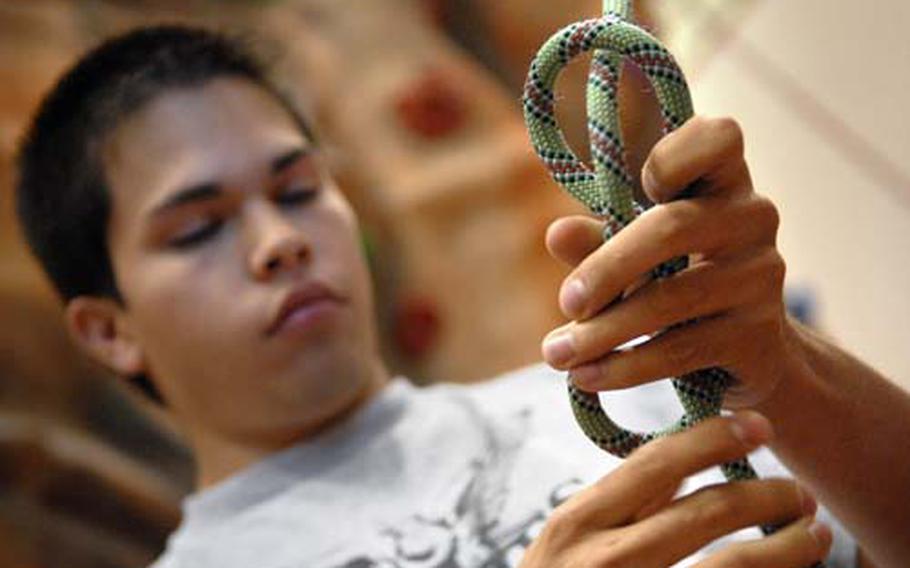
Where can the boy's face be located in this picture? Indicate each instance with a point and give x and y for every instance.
(221, 214)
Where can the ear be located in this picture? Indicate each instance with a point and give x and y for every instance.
(100, 327)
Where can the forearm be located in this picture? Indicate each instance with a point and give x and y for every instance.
(845, 431)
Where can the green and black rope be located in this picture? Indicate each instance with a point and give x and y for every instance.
(607, 190)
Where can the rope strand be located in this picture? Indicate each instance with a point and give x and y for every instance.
(622, 8)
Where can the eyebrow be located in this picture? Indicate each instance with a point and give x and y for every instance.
(211, 190)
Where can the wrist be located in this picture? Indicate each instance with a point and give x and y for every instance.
(799, 375)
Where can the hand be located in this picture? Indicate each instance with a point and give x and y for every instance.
(733, 286)
(630, 517)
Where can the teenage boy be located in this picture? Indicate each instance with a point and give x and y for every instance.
(179, 204)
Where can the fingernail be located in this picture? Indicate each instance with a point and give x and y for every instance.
(572, 298)
(807, 501)
(557, 349)
(822, 534)
(585, 376)
(751, 428)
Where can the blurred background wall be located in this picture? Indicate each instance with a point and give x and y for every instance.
(431, 149)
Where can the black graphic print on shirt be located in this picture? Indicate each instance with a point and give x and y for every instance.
(470, 531)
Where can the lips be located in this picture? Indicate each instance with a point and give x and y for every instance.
(301, 304)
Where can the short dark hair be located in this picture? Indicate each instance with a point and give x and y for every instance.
(62, 196)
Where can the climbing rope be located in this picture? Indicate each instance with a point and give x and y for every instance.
(608, 190)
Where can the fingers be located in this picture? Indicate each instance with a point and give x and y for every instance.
(798, 545)
(704, 150)
(571, 239)
(731, 343)
(662, 464)
(713, 512)
(660, 500)
(674, 353)
(629, 518)
(705, 289)
(702, 225)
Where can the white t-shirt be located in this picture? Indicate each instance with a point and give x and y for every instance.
(448, 476)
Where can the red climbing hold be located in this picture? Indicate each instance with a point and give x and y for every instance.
(417, 327)
(431, 107)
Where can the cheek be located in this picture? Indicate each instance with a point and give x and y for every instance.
(344, 250)
(179, 310)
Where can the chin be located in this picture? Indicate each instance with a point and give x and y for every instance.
(335, 380)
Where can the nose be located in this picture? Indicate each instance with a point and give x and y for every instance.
(278, 246)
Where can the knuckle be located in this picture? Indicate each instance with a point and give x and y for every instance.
(816, 549)
(791, 495)
(664, 299)
(562, 526)
(614, 557)
(718, 507)
(802, 545)
(657, 164)
(730, 134)
(652, 460)
(696, 291)
(763, 279)
(675, 220)
(616, 255)
(683, 353)
(774, 273)
(765, 214)
(699, 123)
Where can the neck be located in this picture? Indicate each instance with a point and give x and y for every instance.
(219, 456)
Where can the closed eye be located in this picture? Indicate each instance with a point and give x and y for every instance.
(205, 230)
(297, 195)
